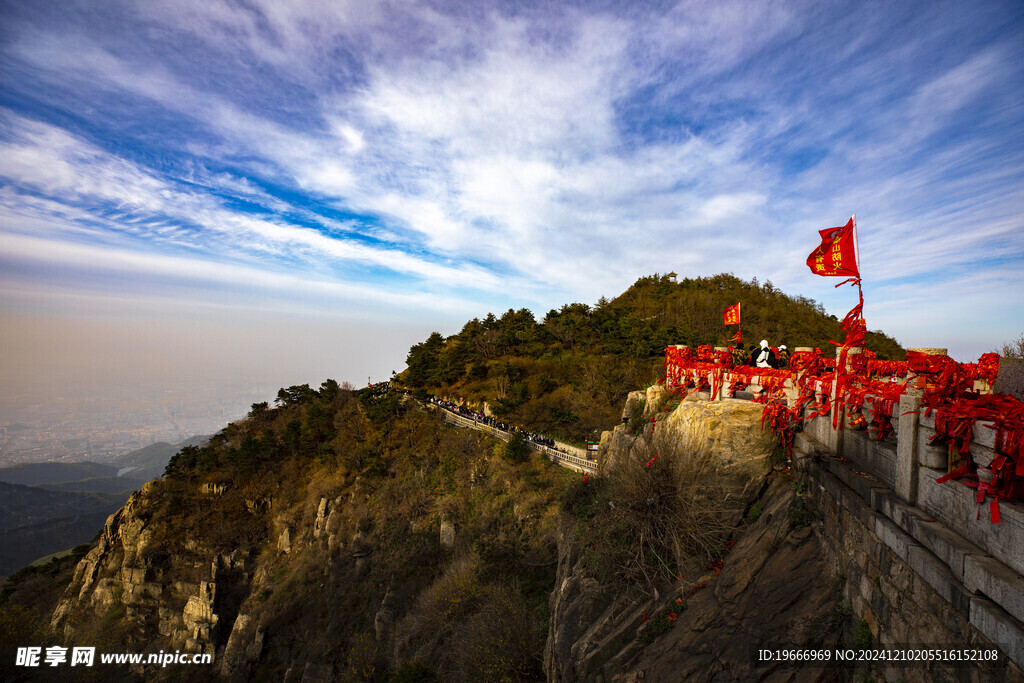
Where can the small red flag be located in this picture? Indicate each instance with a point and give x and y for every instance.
(837, 253)
(732, 315)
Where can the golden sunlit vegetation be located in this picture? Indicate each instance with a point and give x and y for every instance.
(568, 374)
(473, 611)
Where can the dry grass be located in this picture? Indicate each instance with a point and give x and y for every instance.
(653, 512)
(467, 630)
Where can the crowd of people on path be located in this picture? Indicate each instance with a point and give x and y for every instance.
(490, 421)
(762, 356)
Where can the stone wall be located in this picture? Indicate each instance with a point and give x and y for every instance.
(928, 566)
(903, 592)
(924, 561)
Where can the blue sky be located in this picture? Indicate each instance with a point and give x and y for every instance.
(226, 178)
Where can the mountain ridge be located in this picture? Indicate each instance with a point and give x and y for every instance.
(565, 375)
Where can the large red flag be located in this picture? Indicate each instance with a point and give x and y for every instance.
(732, 315)
(837, 253)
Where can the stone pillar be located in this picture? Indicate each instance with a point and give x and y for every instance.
(1011, 378)
(906, 447)
(710, 376)
(720, 394)
(798, 376)
(931, 352)
(791, 391)
(671, 382)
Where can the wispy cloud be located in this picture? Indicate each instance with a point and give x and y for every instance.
(484, 157)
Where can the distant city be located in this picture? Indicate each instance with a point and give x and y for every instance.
(77, 427)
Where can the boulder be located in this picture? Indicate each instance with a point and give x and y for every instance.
(447, 536)
(284, 541)
(321, 518)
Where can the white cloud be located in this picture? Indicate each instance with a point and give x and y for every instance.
(50, 160)
(61, 254)
(560, 153)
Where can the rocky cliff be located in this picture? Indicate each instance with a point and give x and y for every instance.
(414, 548)
(435, 556)
(146, 585)
(706, 616)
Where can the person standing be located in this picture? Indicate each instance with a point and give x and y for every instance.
(739, 355)
(763, 357)
(783, 360)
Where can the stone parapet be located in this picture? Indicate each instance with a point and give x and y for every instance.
(983, 598)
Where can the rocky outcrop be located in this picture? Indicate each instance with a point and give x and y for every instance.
(728, 432)
(590, 622)
(243, 649)
(198, 617)
(725, 436)
(384, 620)
(773, 588)
(284, 541)
(447, 534)
(774, 591)
(167, 588)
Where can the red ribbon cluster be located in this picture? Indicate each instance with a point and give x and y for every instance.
(948, 390)
(706, 353)
(887, 368)
(954, 424)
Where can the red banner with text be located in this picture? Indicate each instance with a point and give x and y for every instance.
(837, 253)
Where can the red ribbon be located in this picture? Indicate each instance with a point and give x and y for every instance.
(948, 393)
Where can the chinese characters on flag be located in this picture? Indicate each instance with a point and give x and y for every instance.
(732, 315)
(837, 253)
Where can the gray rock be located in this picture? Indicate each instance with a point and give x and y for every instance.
(447, 536)
(1011, 378)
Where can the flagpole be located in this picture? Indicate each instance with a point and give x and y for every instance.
(856, 246)
(856, 253)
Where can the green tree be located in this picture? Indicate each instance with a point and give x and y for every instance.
(295, 395)
(517, 450)
(329, 390)
(292, 438)
(183, 462)
(422, 360)
(260, 412)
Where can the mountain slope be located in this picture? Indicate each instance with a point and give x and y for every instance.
(26, 544)
(151, 461)
(338, 535)
(568, 374)
(36, 473)
(22, 505)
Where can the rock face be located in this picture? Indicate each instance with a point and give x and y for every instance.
(447, 535)
(774, 592)
(129, 567)
(244, 645)
(773, 589)
(168, 589)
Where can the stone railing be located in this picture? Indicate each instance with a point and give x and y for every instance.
(561, 453)
(890, 486)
